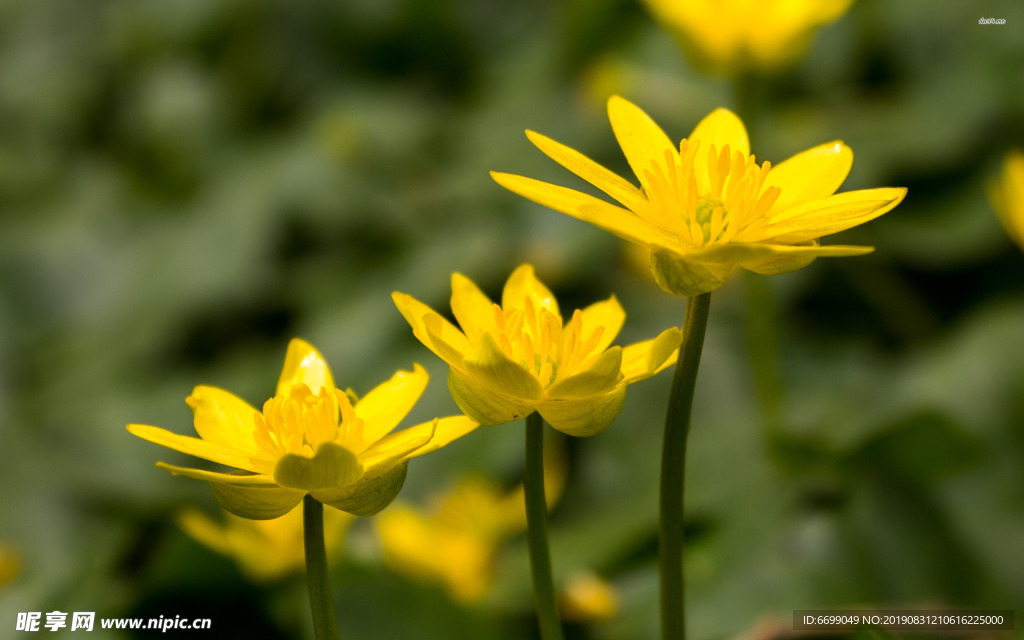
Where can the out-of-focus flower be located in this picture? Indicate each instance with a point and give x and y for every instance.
(707, 207)
(1007, 196)
(265, 550)
(732, 35)
(511, 360)
(10, 564)
(454, 542)
(588, 598)
(325, 443)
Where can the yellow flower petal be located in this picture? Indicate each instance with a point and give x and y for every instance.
(522, 285)
(721, 127)
(255, 480)
(483, 404)
(303, 364)
(472, 308)
(442, 337)
(604, 374)
(384, 407)
(398, 445)
(810, 175)
(493, 369)
(223, 418)
(645, 359)
(370, 494)
(214, 452)
(609, 217)
(616, 187)
(642, 140)
(446, 431)
(831, 215)
(255, 502)
(330, 467)
(585, 416)
(608, 316)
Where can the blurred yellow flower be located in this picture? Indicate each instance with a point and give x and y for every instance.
(322, 443)
(454, 543)
(511, 360)
(707, 207)
(1007, 196)
(733, 35)
(588, 598)
(10, 564)
(265, 550)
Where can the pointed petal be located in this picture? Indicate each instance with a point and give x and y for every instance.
(330, 467)
(684, 276)
(494, 370)
(615, 186)
(384, 407)
(370, 494)
(398, 445)
(223, 418)
(645, 359)
(584, 417)
(436, 333)
(257, 480)
(484, 405)
(255, 502)
(830, 215)
(642, 140)
(599, 379)
(446, 431)
(785, 258)
(810, 175)
(472, 308)
(220, 453)
(303, 364)
(609, 217)
(523, 284)
(608, 315)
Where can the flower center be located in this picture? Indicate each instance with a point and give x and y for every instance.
(715, 205)
(536, 339)
(300, 421)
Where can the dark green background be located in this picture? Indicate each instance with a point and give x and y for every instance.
(186, 185)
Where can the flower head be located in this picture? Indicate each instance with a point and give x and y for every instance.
(324, 442)
(512, 359)
(1008, 196)
(742, 34)
(265, 550)
(706, 207)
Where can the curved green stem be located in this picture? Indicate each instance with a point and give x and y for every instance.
(537, 530)
(321, 602)
(673, 468)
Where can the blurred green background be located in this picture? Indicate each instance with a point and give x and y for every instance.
(186, 185)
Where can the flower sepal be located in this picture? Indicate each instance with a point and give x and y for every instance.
(332, 466)
(681, 277)
(255, 502)
(370, 494)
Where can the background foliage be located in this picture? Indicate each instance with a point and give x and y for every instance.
(186, 185)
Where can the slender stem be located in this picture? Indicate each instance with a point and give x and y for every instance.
(673, 468)
(537, 530)
(321, 602)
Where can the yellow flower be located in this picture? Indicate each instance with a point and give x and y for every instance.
(1008, 196)
(455, 541)
(511, 360)
(588, 598)
(707, 206)
(742, 34)
(265, 550)
(322, 443)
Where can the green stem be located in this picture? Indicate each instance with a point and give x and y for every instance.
(537, 530)
(673, 468)
(321, 602)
